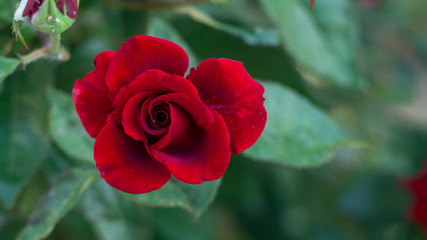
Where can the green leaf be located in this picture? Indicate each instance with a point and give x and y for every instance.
(258, 36)
(297, 133)
(200, 196)
(23, 128)
(7, 8)
(194, 198)
(56, 203)
(320, 41)
(7, 67)
(161, 29)
(170, 195)
(101, 208)
(66, 128)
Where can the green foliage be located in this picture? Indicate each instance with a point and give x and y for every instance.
(23, 129)
(297, 133)
(321, 41)
(194, 198)
(161, 29)
(66, 128)
(6, 11)
(7, 66)
(170, 195)
(57, 202)
(258, 36)
(47, 157)
(101, 207)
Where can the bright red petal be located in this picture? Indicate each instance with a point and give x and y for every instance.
(102, 63)
(141, 53)
(125, 164)
(90, 96)
(225, 86)
(194, 155)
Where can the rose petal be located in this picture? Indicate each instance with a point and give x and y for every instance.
(31, 7)
(158, 81)
(225, 86)
(102, 63)
(92, 106)
(140, 84)
(69, 5)
(142, 53)
(125, 164)
(194, 155)
(197, 110)
(131, 116)
(90, 96)
(419, 213)
(152, 133)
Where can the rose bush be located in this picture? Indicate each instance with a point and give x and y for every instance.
(150, 122)
(418, 210)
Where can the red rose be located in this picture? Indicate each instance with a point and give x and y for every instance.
(150, 122)
(418, 210)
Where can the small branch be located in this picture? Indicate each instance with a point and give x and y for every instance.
(150, 5)
(34, 55)
(52, 49)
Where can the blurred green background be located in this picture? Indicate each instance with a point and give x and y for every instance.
(351, 73)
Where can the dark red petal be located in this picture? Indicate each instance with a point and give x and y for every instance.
(144, 114)
(90, 96)
(419, 214)
(198, 112)
(194, 155)
(225, 86)
(131, 117)
(141, 53)
(32, 7)
(69, 5)
(191, 103)
(418, 185)
(161, 82)
(141, 84)
(125, 164)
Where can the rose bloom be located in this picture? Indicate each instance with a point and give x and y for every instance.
(151, 123)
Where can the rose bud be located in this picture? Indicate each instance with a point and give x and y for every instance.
(150, 122)
(46, 15)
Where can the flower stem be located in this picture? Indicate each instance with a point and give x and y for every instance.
(52, 50)
(54, 44)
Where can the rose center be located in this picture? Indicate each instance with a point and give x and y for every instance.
(159, 116)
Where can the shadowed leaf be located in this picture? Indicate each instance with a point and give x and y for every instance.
(56, 203)
(297, 133)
